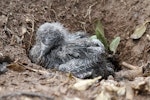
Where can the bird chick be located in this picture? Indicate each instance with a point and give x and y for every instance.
(75, 53)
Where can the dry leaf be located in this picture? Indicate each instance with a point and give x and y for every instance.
(16, 67)
(82, 85)
(121, 91)
(111, 88)
(139, 83)
(114, 87)
(103, 96)
(140, 30)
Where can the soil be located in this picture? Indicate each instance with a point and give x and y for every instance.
(19, 20)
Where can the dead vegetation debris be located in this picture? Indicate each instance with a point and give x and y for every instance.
(26, 95)
(24, 80)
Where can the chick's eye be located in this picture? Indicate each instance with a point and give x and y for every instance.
(46, 40)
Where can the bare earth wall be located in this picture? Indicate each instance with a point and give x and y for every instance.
(19, 20)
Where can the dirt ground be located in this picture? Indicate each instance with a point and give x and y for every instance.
(19, 20)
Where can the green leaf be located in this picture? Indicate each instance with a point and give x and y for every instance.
(93, 37)
(100, 27)
(114, 44)
(140, 30)
(100, 34)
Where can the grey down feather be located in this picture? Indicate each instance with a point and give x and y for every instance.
(76, 53)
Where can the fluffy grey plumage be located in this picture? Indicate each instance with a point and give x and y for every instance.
(75, 53)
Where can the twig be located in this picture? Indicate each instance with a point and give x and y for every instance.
(132, 67)
(89, 10)
(83, 25)
(26, 94)
(43, 72)
(128, 74)
(38, 71)
(54, 13)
